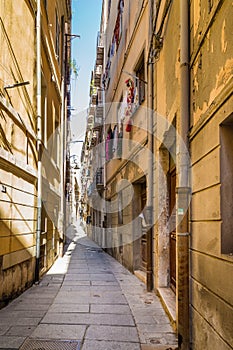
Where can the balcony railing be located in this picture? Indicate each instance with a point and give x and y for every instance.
(91, 110)
(97, 75)
(100, 49)
(94, 98)
(99, 109)
(99, 179)
(94, 139)
(98, 116)
(90, 189)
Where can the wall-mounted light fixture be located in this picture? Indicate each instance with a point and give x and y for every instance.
(72, 36)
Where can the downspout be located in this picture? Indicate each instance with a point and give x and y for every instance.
(39, 141)
(103, 28)
(103, 156)
(149, 269)
(63, 147)
(62, 170)
(183, 189)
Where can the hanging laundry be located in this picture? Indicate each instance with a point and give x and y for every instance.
(121, 6)
(123, 108)
(117, 31)
(130, 85)
(129, 125)
(130, 101)
(113, 47)
(136, 98)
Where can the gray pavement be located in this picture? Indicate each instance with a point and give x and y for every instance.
(86, 301)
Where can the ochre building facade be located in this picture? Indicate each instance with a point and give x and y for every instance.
(31, 132)
(165, 150)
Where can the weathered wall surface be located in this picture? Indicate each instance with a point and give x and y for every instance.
(211, 88)
(17, 152)
(133, 44)
(18, 136)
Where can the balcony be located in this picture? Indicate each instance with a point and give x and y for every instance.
(97, 75)
(94, 98)
(99, 179)
(100, 95)
(99, 110)
(90, 121)
(94, 139)
(100, 49)
(90, 189)
(98, 116)
(91, 110)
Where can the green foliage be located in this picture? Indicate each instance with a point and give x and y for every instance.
(74, 68)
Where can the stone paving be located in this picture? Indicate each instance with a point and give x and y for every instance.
(89, 298)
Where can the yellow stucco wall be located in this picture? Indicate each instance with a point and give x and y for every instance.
(18, 153)
(211, 81)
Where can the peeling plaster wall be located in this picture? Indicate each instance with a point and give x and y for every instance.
(133, 42)
(166, 101)
(212, 104)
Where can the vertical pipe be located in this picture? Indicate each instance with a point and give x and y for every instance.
(103, 30)
(62, 169)
(39, 141)
(184, 98)
(183, 190)
(149, 270)
(103, 156)
(63, 141)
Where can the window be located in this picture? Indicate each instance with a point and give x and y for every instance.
(140, 83)
(44, 110)
(57, 40)
(120, 9)
(57, 143)
(226, 178)
(46, 5)
(120, 208)
(119, 25)
(109, 7)
(62, 41)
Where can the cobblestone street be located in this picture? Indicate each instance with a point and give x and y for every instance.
(86, 301)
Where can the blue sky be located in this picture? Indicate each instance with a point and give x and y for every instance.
(85, 22)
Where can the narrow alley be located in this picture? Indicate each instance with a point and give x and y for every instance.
(87, 300)
(116, 175)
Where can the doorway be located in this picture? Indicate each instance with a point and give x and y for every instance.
(143, 245)
(172, 215)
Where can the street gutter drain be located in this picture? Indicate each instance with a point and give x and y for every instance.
(37, 344)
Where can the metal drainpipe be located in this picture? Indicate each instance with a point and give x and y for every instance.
(149, 270)
(39, 141)
(183, 190)
(63, 146)
(104, 169)
(62, 170)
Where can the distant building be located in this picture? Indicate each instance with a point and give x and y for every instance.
(33, 100)
(166, 144)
